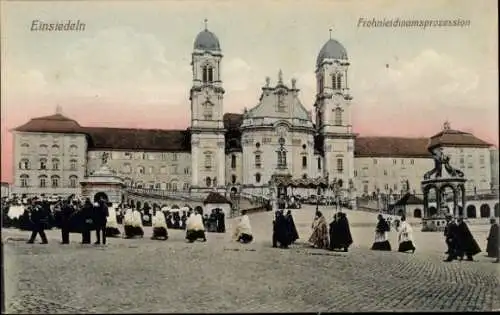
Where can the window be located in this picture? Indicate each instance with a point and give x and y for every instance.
(127, 169)
(72, 165)
(321, 83)
(208, 161)
(127, 155)
(43, 181)
(174, 169)
(334, 81)
(258, 161)
(386, 186)
(186, 171)
(208, 181)
(44, 150)
(304, 146)
(24, 180)
(151, 170)
(207, 111)
(25, 148)
(304, 162)
(319, 163)
(402, 162)
(338, 116)
(208, 74)
(257, 178)
(140, 170)
(365, 188)
(43, 164)
(395, 186)
(233, 161)
(481, 160)
(339, 81)
(355, 173)
(462, 161)
(282, 164)
(73, 181)
(55, 181)
(233, 179)
(55, 164)
(73, 149)
(151, 185)
(257, 145)
(157, 186)
(24, 164)
(304, 176)
(340, 165)
(412, 161)
(169, 186)
(375, 161)
(385, 172)
(394, 162)
(174, 156)
(185, 186)
(55, 149)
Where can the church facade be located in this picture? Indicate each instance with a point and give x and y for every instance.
(238, 152)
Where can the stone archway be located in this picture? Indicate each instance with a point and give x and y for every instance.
(471, 211)
(496, 210)
(132, 203)
(417, 213)
(100, 196)
(484, 210)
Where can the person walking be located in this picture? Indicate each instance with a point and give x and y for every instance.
(66, 213)
(39, 220)
(101, 214)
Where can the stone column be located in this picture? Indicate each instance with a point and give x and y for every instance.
(455, 201)
(438, 199)
(426, 203)
(221, 171)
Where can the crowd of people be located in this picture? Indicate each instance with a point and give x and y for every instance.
(73, 215)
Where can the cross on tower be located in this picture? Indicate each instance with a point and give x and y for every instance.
(331, 29)
(206, 24)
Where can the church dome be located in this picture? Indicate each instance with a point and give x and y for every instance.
(332, 49)
(207, 40)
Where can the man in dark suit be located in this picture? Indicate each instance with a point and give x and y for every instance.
(101, 213)
(39, 221)
(85, 216)
(66, 213)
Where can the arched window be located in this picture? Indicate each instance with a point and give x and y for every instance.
(338, 116)
(140, 170)
(334, 81)
(233, 161)
(339, 81)
(25, 148)
(73, 149)
(169, 186)
(55, 181)
(55, 149)
(321, 83)
(281, 154)
(257, 178)
(233, 179)
(43, 164)
(340, 165)
(55, 164)
(24, 180)
(208, 160)
(73, 164)
(258, 161)
(208, 181)
(44, 150)
(304, 162)
(157, 186)
(185, 187)
(207, 74)
(319, 163)
(127, 169)
(174, 186)
(24, 164)
(73, 180)
(42, 181)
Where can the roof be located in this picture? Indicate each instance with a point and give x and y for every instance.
(207, 40)
(450, 137)
(139, 139)
(332, 49)
(214, 197)
(55, 123)
(391, 147)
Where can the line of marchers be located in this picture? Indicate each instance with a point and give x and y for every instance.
(70, 25)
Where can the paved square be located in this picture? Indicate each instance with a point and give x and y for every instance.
(142, 275)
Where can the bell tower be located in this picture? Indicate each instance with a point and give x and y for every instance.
(333, 112)
(207, 126)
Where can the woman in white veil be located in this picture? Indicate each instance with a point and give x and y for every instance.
(159, 226)
(128, 223)
(137, 223)
(195, 228)
(243, 231)
(405, 236)
(112, 229)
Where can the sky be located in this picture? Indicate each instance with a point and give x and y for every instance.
(130, 67)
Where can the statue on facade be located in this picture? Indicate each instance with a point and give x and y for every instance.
(104, 158)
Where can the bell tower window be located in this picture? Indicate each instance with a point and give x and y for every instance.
(207, 74)
(282, 164)
(338, 116)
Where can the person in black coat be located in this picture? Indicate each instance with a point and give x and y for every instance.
(86, 216)
(467, 245)
(291, 226)
(340, 233)
(101, 213)
(66, 212)
(221, 221)
(492, 247)
(39, 221)
(451, 236)
(281, 231)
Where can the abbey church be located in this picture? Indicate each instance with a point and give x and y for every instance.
(279, 136)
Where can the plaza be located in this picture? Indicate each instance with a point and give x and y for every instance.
(142, 275)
